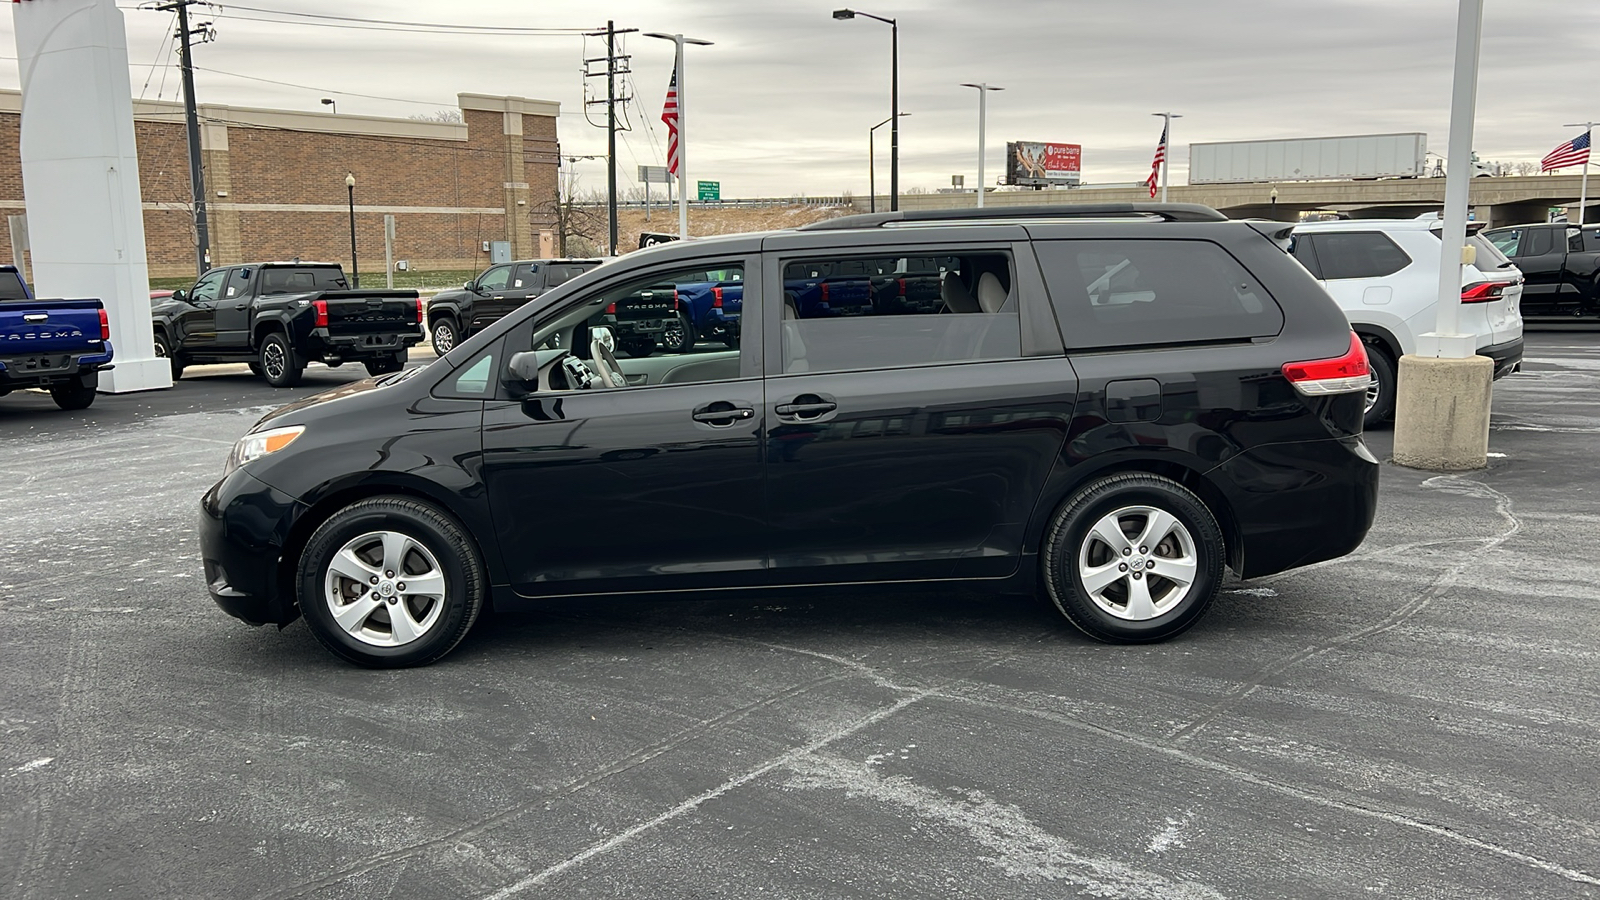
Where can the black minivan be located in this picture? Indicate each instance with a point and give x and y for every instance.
(1108, 404)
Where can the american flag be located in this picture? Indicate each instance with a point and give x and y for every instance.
(669, 115)
(1155, 166)
(1573, 153)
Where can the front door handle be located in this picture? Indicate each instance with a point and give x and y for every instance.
(242, 306)
(806, 407)
(722, 414)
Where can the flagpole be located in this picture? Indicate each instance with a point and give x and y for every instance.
(1583, 188)
(1166, 155)
(678, 41)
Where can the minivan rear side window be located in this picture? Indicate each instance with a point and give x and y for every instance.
(1142, 292)
(1358, 254)
(851, 313)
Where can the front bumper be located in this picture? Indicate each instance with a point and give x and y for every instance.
(244, 525)
(1507, 357)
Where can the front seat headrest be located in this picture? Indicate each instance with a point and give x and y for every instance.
(956, 297)
(991, 296)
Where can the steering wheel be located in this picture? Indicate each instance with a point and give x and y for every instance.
(579, 376)
(606, 363)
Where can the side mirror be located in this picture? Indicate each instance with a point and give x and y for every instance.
(522, 373)
(469, 286)
(180, 295)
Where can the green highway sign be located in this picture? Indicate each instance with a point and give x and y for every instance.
(710, 190)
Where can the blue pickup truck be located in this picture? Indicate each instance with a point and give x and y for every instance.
(62, 345)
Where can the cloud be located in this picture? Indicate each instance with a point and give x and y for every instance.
(782, 102)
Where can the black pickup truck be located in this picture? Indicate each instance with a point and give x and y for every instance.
(1561, 267)
(459, 313)
(279, 316)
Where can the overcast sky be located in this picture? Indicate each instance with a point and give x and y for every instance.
(782, 103)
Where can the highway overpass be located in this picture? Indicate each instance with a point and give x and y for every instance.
(1497, 200)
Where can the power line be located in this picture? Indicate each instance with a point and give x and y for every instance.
(508, 29)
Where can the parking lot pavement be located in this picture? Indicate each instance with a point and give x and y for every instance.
(1419, 719)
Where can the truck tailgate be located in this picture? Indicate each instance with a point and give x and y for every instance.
(35, 327)
(372, 312)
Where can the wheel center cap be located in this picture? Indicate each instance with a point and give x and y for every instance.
(1138, 564)
(386, 588)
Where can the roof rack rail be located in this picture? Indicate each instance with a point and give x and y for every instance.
(1170, 212)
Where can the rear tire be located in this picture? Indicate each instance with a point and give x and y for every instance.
(280, 365)
(1385, 387)
(1133, 559)
(74, 394)
(679, 337)
(364, 614)
(445, 335)
(639, 349)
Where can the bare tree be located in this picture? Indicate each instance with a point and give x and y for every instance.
(1527, 168)
(579, 224)
(438, 115)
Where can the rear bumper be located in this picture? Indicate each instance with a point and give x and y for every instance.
(243, 527)
(47, 369)
(1507, 356)
(362, 346)
(1300, 503)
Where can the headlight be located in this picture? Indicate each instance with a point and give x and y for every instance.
(259, 444)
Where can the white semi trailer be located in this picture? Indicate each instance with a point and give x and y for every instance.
(1310, 159)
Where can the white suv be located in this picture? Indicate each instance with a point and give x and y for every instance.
(1384, 274)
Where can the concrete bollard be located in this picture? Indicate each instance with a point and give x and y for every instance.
(1441, 418)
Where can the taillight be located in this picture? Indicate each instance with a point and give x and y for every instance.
(675, 305)
(611, 309)
(419, 310)
(824, 292)
(902, 282)
(1340, 375)
(321, 309)
(105, 326)
(716, 298)
(1483, 292)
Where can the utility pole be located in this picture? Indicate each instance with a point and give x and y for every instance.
(197, 180)
(611, 101)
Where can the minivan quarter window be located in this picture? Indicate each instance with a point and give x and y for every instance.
(845, 313)
(1145, 292)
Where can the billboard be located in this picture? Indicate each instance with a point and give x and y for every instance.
(1034, 163)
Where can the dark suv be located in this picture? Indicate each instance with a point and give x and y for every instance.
(1111, 405)
(459, 313)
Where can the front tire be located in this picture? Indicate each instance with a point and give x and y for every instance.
(280, 365)
(391, 582)
(1133, 559)
(1384, 389)
(164, 351)
(74, 394)
(445, 336)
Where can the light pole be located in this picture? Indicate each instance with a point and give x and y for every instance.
(983, 116)
(872, 166)
(894, 99)
(1445, 389)
(328, 101)
(355, 269)
(1166, 148)
(1583, 189)
(678, 41)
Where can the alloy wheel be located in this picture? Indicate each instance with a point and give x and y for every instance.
(274, 360)
(384, 588)
(1137, 563)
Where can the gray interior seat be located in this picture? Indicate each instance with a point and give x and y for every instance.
(957, 298)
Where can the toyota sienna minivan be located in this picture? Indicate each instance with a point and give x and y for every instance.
(1109, 405)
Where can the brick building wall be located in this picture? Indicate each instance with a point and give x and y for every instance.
(275, 183)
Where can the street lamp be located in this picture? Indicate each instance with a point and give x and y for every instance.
(983, 115)
(355, 270)
(894, 99)
(678, 41)
(328, 101)
(872, 166)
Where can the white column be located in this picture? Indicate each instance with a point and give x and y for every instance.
(80, 175)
